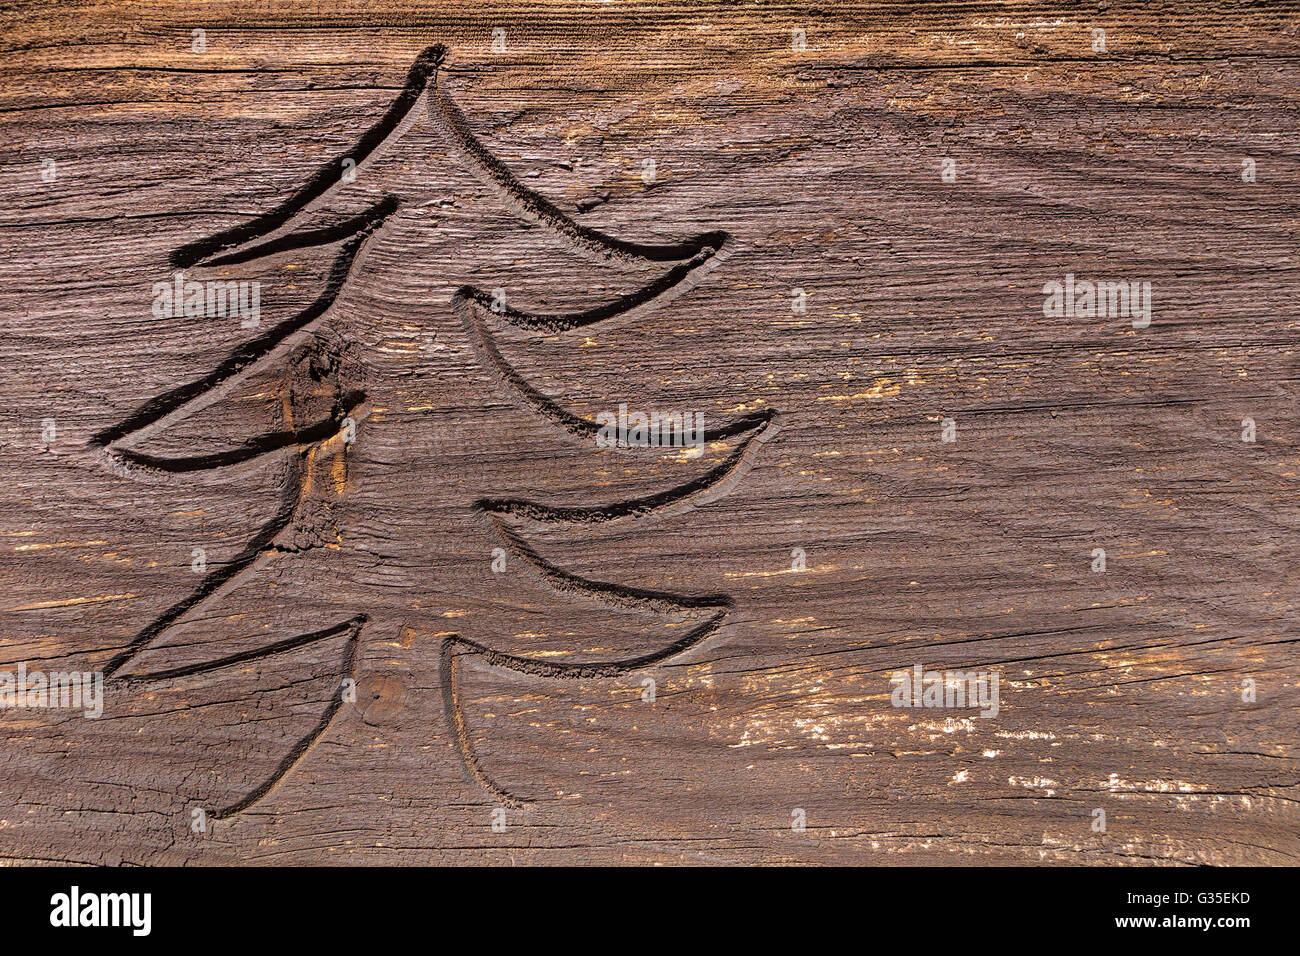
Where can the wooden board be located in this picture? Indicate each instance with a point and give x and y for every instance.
(279, 541)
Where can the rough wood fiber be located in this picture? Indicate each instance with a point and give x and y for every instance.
(369, 559)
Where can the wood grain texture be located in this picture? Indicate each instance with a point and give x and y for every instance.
(372, 557)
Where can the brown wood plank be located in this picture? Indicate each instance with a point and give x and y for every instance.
(1119, 690)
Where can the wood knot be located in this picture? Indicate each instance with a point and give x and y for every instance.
(379, 698)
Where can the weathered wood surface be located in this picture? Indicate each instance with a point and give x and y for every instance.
(1120, 690)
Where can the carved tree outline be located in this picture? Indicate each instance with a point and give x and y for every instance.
(273, 234)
